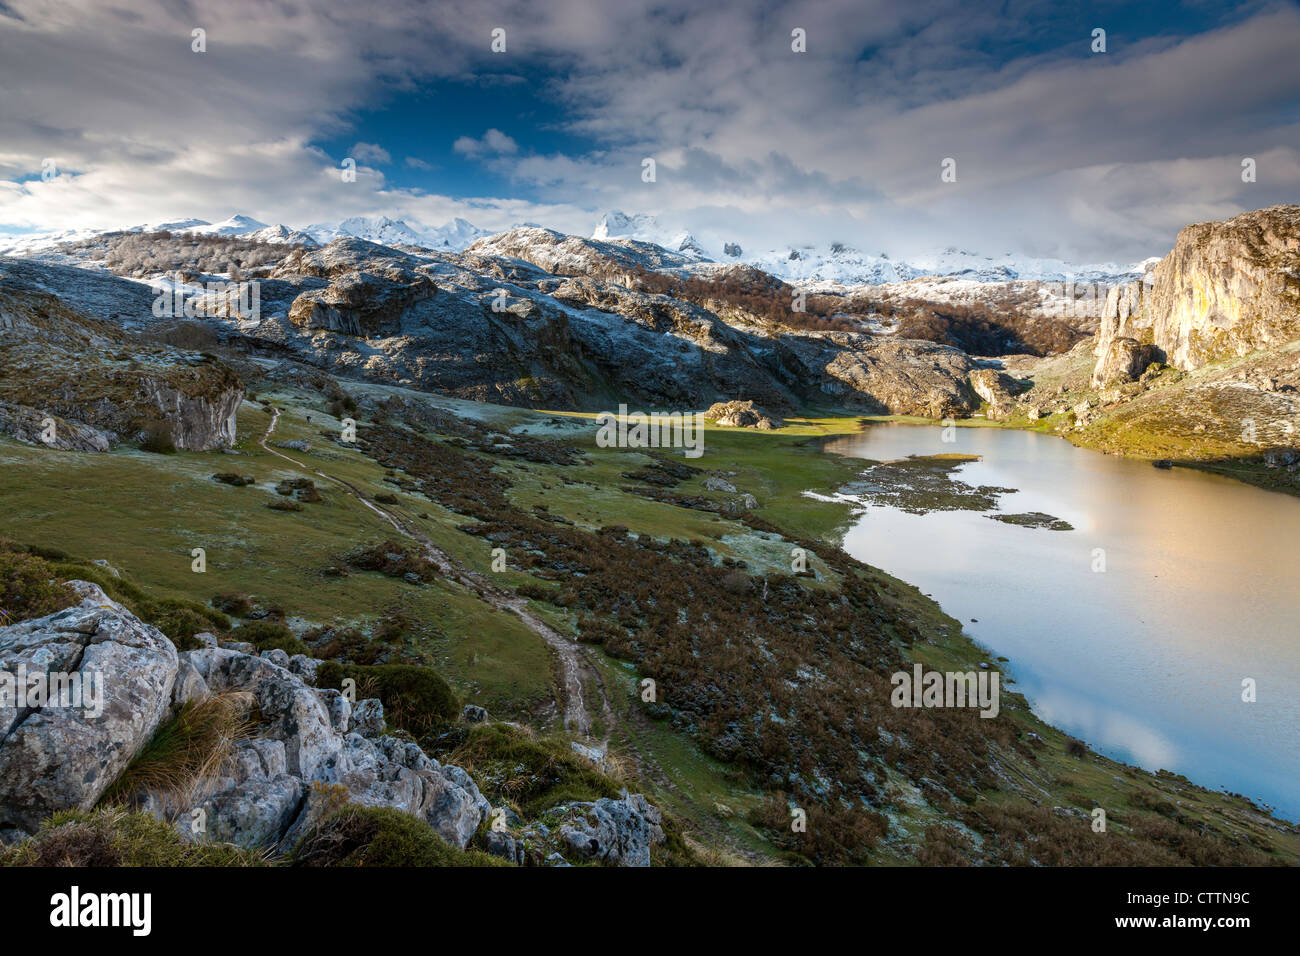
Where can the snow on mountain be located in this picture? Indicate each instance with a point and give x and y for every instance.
(645, 228)
(234, 226)
(836, 263)
(280, 235)
(454, 236)
(21, 245)
(175, 225)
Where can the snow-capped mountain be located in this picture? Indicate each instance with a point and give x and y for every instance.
(645, 228)
(454, 236)
(451, 237)
(279, 235)
(836, 263)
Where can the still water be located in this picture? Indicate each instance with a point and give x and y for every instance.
(1144, 660)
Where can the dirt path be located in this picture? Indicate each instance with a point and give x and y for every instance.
(573, 668)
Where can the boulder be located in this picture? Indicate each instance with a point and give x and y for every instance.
(308, 752)
(1124, 361)
(61, 755)
(617, 832)
(743, 415)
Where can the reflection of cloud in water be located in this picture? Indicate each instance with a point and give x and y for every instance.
(1104, 729)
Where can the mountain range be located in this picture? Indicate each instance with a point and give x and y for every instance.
(824, 265)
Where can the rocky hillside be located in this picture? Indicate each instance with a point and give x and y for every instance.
(275, 756)
(80, 371)
(1227, 289)
(537, 319)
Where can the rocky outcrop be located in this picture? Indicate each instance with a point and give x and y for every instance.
(31, 427)
(308, 750)
(61, 752)
(995, 387)
(96, 385)
(1124, 360)
(618, 832)
(1226, 289)
(743, 415)
(899, 376)
(361, 304)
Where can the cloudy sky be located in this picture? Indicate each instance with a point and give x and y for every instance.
(111, 118)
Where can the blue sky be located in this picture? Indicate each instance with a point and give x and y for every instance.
(1060, 151)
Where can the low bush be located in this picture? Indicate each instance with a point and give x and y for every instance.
(381, 836)
(27, 589)
(157, 437)
(531, 772)
(416, 699)
(114, 837)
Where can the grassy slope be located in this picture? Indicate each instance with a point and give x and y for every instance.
(143, 513)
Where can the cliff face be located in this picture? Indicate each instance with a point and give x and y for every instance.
(61, 365)
(1227, 289)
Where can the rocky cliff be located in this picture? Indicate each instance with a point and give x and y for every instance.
(1227, 289)
(83, 374)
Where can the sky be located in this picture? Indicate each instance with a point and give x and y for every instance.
(111, 118)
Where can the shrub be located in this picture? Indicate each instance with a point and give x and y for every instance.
(114, 837)
(284, 504)
(533, 773)
(1075, 747)
(26, 588)
(392, 559)
(381, 836)
(185, 750)
(233, 603)
(180, 620)
(230, 478)
(416, 699)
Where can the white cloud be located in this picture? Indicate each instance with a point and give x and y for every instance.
(493, 143)
(1058, 154)
(370, 153)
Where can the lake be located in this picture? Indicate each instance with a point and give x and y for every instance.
(1144, 660)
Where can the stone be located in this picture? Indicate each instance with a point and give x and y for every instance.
(502, 844)
(473, 714)
(59, 757)
(743, 415)
(367, 718)
(1125, 360)
(615, 832)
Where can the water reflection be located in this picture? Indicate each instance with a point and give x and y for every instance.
(1145, 660)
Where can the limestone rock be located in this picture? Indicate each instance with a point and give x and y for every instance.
(743, 415)
(1125, 361)
(1226, 289)
(616, 832)
(60, 756)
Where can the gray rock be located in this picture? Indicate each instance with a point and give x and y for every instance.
(276, 655)
(615, 832)
(502, 844)
(367, 718)
(57, 757)
(304, 666)
(473, 714)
